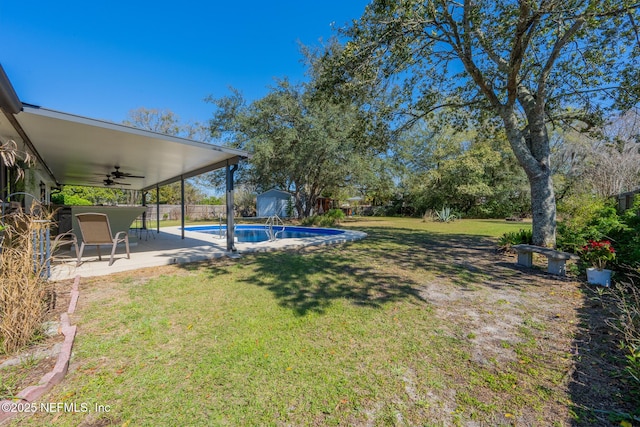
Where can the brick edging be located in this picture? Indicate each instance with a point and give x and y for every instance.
(56, 375)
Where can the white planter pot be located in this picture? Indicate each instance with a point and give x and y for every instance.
(599, 277)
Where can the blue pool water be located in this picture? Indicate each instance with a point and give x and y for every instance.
(259, 233)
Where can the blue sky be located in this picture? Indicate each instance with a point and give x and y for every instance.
(101, 59)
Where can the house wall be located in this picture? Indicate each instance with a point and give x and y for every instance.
(36, 182)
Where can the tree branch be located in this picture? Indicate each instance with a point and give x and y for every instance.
(466, 56)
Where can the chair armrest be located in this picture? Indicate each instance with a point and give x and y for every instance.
(64, 239)
(121, 236)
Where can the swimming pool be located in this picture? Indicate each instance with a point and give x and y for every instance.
(260, 233)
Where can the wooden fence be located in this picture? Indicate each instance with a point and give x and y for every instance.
(172, 212)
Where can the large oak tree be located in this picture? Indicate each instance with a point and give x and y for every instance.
(299, 142)
(527, 63)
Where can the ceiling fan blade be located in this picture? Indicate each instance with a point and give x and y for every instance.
(119, 174)
(111, 182)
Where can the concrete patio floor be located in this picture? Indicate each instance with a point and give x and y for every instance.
(169, 248)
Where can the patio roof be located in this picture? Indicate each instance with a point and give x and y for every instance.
(82, 151)
(78, 150)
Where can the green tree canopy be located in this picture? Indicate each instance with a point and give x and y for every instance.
(299, 142)
(473, 172)
(81, 195)
(524, 63)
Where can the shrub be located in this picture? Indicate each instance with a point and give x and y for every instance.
(515, 238)
(319, 221)
(445, 215)
(336, 214)
(326, 221)
(597, 222)
(428, 215)
(74, 200)
(604, 223)
(309, 221)
(291, 209)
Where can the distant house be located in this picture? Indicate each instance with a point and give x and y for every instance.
(625, 200)
(324, 205)
(273, 202)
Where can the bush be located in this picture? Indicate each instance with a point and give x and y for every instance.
(428, 215)
(603, 222)
(445, 215)
(326, 221)
(309, 221)
(599, 221)
(335, 214)
(319, 221)
(516, 238)
(67, 200)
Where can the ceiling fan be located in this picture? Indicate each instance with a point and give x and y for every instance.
(117, 174)
(109, 182)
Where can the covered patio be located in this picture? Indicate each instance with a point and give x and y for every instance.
(74, 150)
(171, 248)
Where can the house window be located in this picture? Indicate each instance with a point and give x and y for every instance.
(10, 184)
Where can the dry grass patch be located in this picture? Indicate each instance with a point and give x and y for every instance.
(25, 295)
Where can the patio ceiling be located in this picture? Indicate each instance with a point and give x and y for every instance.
(82, 151)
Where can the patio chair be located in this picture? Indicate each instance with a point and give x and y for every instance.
(140, 227)
(61, 240)
(96, 231)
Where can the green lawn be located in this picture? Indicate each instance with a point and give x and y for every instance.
(390, 330)
(467, 227)
(476, 227)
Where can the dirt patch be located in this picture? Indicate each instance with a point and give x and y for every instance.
(525, 318)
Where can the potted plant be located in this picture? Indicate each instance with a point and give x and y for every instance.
(598, 253)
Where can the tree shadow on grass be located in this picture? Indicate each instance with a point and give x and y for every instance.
(371, 273)
(374, 271)
(600, 392)
(311, 281)
(464, 260)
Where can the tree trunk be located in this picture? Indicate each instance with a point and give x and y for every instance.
(543, 209)
(308, 207)
(531, 147)
(297, 198)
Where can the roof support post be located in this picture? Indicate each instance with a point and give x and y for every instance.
(158, 209)
(182, 204)
(231, 247)
(144, 214)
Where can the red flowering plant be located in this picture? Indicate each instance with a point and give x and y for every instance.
(598, 253)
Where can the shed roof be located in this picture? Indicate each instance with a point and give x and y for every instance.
(275, 192)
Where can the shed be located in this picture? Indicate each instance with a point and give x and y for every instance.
(625, 200)
(273, 202)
